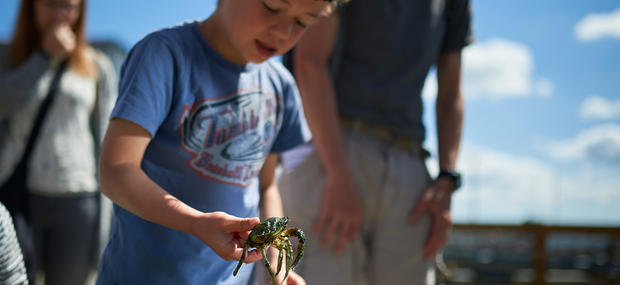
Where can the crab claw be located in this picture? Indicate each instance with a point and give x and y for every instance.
(301, 244)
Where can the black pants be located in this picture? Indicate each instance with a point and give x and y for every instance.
(65, 234)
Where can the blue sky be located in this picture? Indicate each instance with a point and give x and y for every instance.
(542, 87)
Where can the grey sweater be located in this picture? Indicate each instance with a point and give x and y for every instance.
(63, 161)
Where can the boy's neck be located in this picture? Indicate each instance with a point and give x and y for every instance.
(211, 33)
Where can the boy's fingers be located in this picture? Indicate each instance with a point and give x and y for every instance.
(253, 256)
(250, 255)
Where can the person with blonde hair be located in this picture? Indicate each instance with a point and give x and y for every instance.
(56, 94)
(189, 157)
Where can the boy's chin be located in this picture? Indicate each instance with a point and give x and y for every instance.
(257, 60)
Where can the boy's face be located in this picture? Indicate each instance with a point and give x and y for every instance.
(255, 30)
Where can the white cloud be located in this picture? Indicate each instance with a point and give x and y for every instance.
(429, 92)
(500, 68)
(595, 107)
(544, 87)
(507, 188)
(597, 26)
(599, 144)
(501, 187)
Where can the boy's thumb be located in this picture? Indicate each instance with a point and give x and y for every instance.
(243, 224)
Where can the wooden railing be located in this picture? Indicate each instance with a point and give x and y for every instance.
(540, 234)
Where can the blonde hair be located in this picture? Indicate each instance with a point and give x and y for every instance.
(333, 6)
(27, 39)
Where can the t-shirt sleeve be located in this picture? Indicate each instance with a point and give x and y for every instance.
(458, 26)
(146, 84)
(294, 130)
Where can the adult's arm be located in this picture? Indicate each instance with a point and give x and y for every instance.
(340, 212)
(17, 85)
(449, 111)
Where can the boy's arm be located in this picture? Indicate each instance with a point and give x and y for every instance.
(340, 215)
(124, 182)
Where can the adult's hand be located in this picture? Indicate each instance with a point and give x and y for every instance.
(436, 202)
(340, 215)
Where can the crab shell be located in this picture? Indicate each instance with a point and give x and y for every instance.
(267, 231)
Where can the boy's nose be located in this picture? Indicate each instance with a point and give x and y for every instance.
(282, 29)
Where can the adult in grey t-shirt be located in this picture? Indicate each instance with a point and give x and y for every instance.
(372, 213)
(386, 49)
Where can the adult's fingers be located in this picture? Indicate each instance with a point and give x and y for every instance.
(333, 227)
(431, 242)
(320, 222)
(418, 210)
(439, 234)
(342, 238)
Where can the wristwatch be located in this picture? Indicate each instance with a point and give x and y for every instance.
(454, 176)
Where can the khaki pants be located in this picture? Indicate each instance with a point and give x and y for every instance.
(388, 250)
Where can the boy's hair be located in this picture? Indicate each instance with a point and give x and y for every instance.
(333, 6)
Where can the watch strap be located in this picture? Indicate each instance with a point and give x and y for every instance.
(454, 176)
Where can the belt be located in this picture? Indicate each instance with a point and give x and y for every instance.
(385, 135)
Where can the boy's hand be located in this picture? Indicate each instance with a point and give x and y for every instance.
(226, 234)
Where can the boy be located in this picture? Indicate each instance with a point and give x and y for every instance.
(200, 109)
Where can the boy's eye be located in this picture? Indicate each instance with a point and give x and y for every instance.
(271, 10)
(301, 24)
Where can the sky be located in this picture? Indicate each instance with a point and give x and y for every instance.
(541, 139)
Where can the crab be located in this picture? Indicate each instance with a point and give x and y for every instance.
(273, 232)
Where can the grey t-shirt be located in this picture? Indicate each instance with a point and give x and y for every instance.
(384, 52)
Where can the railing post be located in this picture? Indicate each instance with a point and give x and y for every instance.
(540, 254)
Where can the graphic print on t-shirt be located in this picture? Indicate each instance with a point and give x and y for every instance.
(230, 136)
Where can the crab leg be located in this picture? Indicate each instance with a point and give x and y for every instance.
(267, 264)
(245, 248)
(289, 256)
(301, 244)
(279, 260)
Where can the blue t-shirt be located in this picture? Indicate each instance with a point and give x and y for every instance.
(213, 123)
